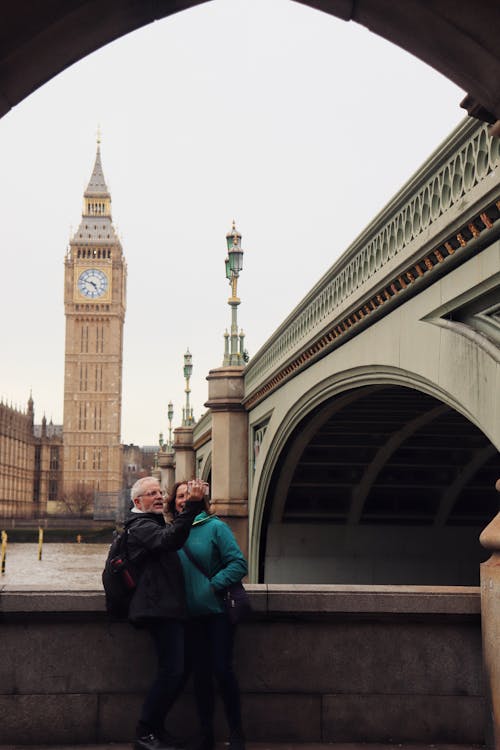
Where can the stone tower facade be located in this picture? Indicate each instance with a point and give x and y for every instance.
(94, 302)
(30, 463)
(17, 461)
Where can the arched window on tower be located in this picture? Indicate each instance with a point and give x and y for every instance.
(99, 342)
(84, 339)
(54, 458)
(83, 376)
(98, 378)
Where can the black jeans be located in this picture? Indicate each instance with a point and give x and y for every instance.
(210, 647)
(168, 639)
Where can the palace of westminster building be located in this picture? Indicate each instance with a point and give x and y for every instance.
(56, 469)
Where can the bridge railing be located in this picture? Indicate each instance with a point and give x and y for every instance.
(460, 172)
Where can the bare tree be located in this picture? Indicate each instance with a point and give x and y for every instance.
(79, 500)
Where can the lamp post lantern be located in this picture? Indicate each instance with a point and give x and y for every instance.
(187, 411)
(234, 353)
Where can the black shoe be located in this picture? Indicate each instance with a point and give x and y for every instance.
(171, 740)
(150, 742)
(237, 741)
(204, 742)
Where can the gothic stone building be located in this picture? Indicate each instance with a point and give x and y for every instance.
(30, 463)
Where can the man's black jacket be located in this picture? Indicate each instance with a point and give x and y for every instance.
(152, 545)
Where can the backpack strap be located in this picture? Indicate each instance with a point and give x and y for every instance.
(142, 550)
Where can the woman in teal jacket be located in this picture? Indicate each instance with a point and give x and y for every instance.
(210, 633)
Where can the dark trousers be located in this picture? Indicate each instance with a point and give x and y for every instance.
(210, 646)
(168, 639)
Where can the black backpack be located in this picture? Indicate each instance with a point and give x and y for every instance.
(119, 577)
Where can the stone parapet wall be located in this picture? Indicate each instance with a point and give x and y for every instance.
(316, 664)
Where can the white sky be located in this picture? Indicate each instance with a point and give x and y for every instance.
(299, 126)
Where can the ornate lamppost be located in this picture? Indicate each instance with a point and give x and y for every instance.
(165, 458)
(234, 352)
(170, 415)
(187, 411)
(166, 447)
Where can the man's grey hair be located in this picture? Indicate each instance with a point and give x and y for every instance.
(138, 487)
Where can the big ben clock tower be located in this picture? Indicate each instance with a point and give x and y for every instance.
(94, 303)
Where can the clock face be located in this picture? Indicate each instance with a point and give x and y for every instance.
(93, 283)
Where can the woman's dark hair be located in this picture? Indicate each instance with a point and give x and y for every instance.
(170, 504)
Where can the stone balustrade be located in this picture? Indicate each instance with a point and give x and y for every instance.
(420, 230)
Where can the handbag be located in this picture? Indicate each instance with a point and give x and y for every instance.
(235, 597)
(237, 602)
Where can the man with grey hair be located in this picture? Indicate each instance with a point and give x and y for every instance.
(158, 604)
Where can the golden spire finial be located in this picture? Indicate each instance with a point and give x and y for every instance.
(98, 134)
(234, 225)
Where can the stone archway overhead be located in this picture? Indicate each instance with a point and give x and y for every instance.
(459, 39)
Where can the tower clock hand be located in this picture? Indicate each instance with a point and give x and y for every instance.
(92, 283)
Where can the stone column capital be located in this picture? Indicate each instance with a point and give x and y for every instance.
(226, 389)
(183, 438)
(230, 508)
(166, 459)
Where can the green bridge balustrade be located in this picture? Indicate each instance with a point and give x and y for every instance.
(439, 216)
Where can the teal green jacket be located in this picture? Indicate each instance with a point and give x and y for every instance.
(212, 544)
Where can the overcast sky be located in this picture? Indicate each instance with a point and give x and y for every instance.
(297, 125)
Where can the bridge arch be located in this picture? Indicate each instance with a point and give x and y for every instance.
(460, 41)
(440, 511)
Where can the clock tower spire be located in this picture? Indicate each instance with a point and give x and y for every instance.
(94, 304)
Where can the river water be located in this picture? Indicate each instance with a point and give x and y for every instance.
(63, 566)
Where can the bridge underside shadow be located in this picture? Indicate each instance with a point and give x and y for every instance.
(380, 485)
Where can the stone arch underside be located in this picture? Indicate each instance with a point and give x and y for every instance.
(460, 39)
(380, 484)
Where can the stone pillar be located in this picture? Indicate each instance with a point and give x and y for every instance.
(185, 463)
(490, 625)
(156, 472)
(166, 461)
(229, 449)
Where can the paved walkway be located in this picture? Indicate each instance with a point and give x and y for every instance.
(264, 746)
